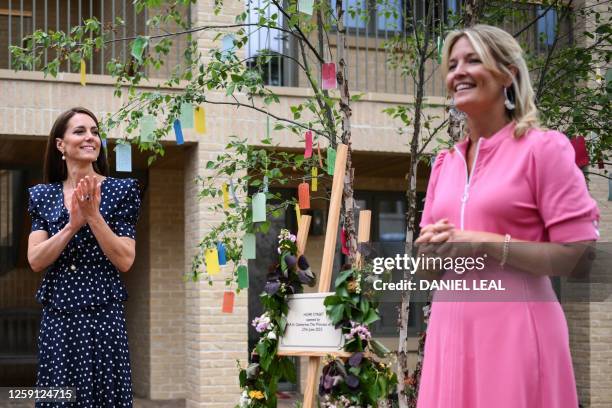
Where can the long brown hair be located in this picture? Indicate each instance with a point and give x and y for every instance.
(55, 168)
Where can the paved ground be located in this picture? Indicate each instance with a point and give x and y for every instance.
(286, 400)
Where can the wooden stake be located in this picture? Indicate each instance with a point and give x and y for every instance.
(363, 236)
(302, 235)
(327, 264)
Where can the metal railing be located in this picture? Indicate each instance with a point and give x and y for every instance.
(366, 54)
(20, 18)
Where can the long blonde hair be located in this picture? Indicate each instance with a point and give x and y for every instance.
(498, 50)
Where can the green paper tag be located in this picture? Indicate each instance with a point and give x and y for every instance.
(147, 127)
(259, 207)
(186, 116)
(331, 160)
(248, 246)
(243, 277)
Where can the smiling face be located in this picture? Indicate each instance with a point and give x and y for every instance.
(81, 140)
(474, 88)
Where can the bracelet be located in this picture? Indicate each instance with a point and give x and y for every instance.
(504, 257)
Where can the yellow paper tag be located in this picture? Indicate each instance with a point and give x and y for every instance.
(313, 183)
(200, 119)
(225, 196)
(83, 72)
(298, 214)
(211, 258)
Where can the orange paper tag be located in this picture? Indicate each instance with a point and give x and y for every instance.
(304, 196)
(228, 302)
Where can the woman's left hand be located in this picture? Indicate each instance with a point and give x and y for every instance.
(89, 196)
(465, 243)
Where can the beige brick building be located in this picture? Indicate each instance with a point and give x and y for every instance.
(182, 347)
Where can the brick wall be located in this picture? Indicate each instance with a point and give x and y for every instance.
(138, 306)
(167, 299)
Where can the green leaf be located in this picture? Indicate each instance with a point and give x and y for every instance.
(370, 317)
(343, 276)
(378, 348)
(336, 313)
(138, 47)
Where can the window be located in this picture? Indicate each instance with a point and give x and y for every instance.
(547, 25)
(388, 233)
(12, 202)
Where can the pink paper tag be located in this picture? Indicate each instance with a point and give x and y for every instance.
(329, 75)
(308, 141)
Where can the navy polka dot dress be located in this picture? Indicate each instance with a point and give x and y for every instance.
(83, 337)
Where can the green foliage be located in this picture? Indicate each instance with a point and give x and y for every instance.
(362, 380)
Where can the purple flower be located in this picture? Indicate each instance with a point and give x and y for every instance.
(355, 359)
(262, 323)
(303, 263)
(272, 287)
(352, 381)
(358, 330)
(290, 261)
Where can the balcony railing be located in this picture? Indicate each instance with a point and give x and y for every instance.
(19, 18)
(366, 54)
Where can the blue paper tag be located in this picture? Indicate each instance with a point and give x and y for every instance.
(123, 157)
(178, 132)
(221, 252)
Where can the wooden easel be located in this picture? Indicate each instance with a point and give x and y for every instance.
(333, 220)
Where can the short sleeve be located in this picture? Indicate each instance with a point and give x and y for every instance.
(126, 215)
(38, 222)
(426, 218)
(567, 209)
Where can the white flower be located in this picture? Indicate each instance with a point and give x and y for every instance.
(244, 400)
(271, 335)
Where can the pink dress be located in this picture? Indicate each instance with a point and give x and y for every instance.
(506, 354)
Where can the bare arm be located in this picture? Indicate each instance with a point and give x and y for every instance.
(537, 258)
(121, 251)
(43, 251)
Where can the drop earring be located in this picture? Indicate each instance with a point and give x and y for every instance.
(63, 157)
(507, 102)
(454, 112)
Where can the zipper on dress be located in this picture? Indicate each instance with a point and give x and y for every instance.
(466, 188)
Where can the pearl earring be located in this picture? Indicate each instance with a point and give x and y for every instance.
(63, 157)
(508, 103)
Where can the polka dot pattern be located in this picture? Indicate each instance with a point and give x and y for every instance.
(83, 337)
(88, 350)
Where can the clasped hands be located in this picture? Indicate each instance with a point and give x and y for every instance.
(85, 202)
(443, 239)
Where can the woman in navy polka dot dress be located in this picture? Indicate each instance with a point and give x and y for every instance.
(83, 234)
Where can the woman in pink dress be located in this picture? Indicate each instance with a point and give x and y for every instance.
(513, 191)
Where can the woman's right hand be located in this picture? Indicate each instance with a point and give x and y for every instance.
(435, 233)
(77, 220)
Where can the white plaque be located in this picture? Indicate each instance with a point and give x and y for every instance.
(308, 327)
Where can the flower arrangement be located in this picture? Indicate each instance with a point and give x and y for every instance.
(362, 381)
(259, 380)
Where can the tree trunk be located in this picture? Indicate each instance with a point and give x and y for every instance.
(407, 388)
(345, 109)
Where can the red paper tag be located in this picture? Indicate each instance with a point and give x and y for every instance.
(308, 141)
(329, 75)
(582, 155)
(304, 196)
(228, 302)
(345, 249)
